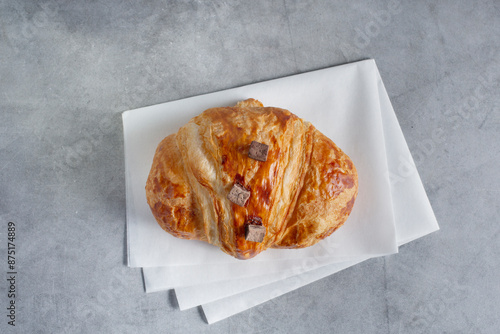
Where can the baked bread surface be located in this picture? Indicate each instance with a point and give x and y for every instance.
(303, 192)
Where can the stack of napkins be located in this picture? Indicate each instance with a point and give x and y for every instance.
(349, 105)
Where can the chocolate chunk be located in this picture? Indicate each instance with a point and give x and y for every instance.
(254, 232)
(238, 195)
(258, 151)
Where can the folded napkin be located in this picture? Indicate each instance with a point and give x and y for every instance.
(348, 104)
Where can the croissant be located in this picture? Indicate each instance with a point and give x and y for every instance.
(204, 185)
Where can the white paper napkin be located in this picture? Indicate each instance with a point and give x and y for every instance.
(327, 98)
(413, 214)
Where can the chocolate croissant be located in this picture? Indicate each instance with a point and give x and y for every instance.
(247, 178)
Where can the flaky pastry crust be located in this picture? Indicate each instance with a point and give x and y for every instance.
(303, 192)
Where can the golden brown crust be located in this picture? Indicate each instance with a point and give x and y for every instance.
(169, 194)
(303, 192)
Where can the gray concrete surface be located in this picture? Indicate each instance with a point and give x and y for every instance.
(68, 69)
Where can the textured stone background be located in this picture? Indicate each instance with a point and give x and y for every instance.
(69, 68)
